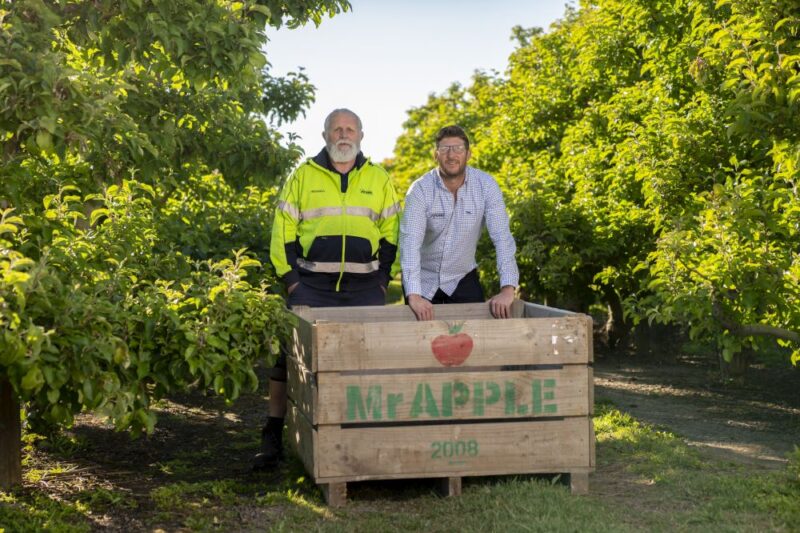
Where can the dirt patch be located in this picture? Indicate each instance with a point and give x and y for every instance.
(756, 422)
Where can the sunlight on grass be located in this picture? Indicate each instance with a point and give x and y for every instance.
(696, 492)
(298, 499)
(101, 499)
(183, 494)
(175, 467)
(35, 513)
(648, 450)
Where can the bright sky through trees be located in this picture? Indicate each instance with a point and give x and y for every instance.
(384, 57)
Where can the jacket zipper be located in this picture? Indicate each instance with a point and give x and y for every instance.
(344, 231)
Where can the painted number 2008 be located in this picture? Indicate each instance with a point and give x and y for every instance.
(454, 448)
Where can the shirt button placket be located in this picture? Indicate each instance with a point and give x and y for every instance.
(447, 244)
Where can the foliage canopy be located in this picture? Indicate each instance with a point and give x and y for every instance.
(139, 157)
(649, 151)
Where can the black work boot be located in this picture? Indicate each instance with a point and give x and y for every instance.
(271, 450)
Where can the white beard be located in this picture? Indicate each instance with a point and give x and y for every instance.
(339, 155)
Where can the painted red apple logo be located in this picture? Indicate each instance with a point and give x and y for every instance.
(454, 348)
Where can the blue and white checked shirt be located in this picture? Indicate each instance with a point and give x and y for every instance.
(438, 236)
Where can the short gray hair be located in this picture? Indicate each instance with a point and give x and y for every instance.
(342, 110)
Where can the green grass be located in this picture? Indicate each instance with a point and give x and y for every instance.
(653, 481)
(36, 512)
(681, 491)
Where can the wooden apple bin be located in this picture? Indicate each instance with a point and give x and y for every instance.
(369, 399)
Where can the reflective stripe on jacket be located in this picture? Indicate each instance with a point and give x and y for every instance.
(336, 240)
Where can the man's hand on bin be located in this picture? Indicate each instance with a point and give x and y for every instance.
(500, 304)
(422, 308)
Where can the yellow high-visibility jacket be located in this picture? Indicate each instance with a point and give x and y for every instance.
(334, 240)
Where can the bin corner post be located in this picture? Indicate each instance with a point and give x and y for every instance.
(578, 482)
(10, 438)
(335, 494)
(449, 486)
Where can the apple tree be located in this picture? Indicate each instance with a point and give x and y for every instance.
(139, 160)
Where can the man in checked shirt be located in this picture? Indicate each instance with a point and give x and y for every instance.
(444, 215)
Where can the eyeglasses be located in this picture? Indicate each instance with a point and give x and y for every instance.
(456, 149)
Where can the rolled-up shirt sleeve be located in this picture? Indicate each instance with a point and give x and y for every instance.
(499, 231)
(412, 235)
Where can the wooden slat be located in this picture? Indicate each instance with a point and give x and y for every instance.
(402, 313)
(301, 388)
(369, 398)
(304, 341)
(368, 313)
(394, 313)
(303, 311)
(354, 454)
(516, 341)
(302, 438)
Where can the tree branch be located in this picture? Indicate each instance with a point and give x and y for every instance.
(746, 330)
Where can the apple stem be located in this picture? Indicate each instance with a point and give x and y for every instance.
(455, 327)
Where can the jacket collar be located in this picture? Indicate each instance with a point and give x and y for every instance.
(324, 160)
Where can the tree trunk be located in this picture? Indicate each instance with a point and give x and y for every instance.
(736, 369)
(616, 328)
(10, 438)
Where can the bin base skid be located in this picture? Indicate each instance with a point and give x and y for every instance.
(335, 493)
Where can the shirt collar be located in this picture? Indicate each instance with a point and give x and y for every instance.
(440, 181)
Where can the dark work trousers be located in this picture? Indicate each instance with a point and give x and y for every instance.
(307, 295)
(469, 290)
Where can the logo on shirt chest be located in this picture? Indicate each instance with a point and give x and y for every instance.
(364, 191)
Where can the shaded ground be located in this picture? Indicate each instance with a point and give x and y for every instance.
(756, 423)
(200, 439)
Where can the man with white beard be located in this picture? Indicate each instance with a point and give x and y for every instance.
(334, 242)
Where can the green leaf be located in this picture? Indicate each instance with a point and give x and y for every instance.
(217, 343)
(264, 10)
(97, 214)
(219, 384)
(48, 123)
(44, 140)
(6, 62)
(53, 395)
(88, 391)
(121, 356)
(33, 379)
